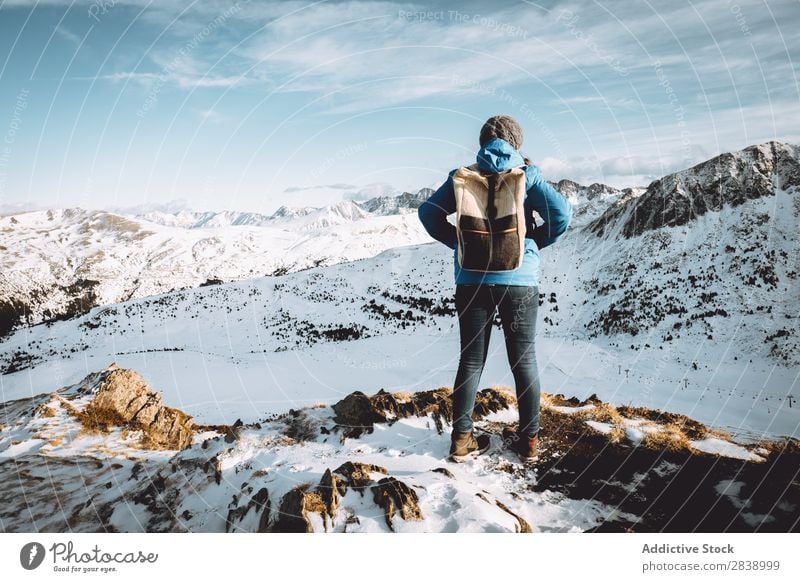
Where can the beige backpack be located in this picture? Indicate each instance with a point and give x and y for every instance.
(490, 219)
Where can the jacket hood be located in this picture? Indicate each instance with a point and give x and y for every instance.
(497, 155)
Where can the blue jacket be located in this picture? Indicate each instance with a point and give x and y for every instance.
(496, 156)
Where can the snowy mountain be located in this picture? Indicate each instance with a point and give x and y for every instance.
(728, 180)
(590, 202)
(405, 202)
(349, 209)
(668, 352)
(193, 219)
(59, 263)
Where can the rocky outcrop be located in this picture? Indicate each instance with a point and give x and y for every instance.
(357, 475)
(294, 510)
(357, 413)
(260, 503)
(390, 494)
(729, 179)
(522, 525)
(394, 496)
(125, 399)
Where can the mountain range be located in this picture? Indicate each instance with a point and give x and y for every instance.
(667, 333)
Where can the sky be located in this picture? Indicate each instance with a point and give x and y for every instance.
(249, 105)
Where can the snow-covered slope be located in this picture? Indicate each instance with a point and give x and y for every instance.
(58, 263)
(694, 318)
(376, 463)
(388, 321)
(727, 180)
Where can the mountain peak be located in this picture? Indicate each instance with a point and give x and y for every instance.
(728, 179)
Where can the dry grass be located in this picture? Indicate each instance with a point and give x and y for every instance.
(314, 502)
(96, 419)
(693, 429)
(509, 391)
(670, 437)
(616, 435)
(719, 433)
(403, 396)
(787, 445)
(45, 410)
(673, 431)
(603, 412)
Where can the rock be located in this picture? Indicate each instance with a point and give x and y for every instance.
(444, 471)
(331, 489)
(394, 496)
(491, 400)
(260, 502)
(233, 433)
(522, 526)
(125, 399)
(357, 475)
(293, 513)
(437, 403)
(356, 415)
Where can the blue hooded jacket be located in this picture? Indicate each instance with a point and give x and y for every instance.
(498, 155)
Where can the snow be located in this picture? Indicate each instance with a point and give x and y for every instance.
(603, 427)
(717, 446)
(246, 349)
(573, 409)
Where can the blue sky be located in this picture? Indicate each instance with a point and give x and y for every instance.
(249, 105)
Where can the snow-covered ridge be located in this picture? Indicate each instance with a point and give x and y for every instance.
(289, 216)
(729, 179)
(735, 261)
(61, 262)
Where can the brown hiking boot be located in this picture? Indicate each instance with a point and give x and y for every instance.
(526, 448)
(464, 445)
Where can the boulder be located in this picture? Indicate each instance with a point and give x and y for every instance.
(394, 496)
(124, 399)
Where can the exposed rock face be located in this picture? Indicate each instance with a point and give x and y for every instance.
(357, 413)
(238, 510)
(293, 514)
(357, 475)
(390, 494)
(394, 497)
(125, 399)
(522, 525)
(726, 180)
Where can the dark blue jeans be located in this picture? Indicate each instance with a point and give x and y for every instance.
(476, 306)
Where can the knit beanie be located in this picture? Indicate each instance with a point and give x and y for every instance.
(503, 126)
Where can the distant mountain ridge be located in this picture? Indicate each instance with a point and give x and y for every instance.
(729, 179)
(323, 215)
(60, 263)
